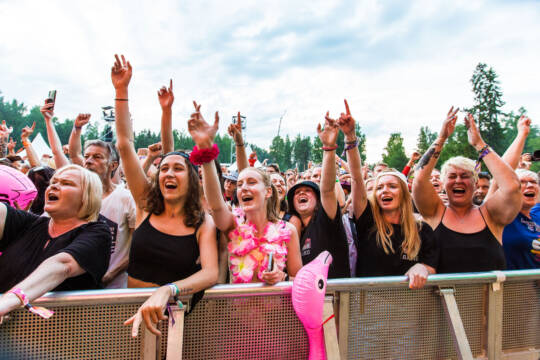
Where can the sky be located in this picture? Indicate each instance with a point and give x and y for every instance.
(400, 64)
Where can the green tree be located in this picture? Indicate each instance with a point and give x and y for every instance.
(394, 154)
(225, 145)
(182, 141)
(317, 151)
(287, 154)
(425, 138)
(145, 138)
(361, 141)
(277, 151)
(302, 151)
(487, 106)
(63, 129)
(457, 145)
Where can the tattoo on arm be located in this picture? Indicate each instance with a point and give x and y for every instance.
(183, 291)
(428, 155)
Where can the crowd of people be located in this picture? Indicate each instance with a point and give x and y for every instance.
(112, 216)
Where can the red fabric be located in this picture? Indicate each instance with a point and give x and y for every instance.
(406, 170)
(203, 156)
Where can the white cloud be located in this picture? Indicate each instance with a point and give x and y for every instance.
(400, 64)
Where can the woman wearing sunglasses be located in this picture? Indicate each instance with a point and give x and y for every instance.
(174, 242)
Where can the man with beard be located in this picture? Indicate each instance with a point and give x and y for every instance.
(482, 187)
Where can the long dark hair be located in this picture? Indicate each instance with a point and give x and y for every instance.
(40, 176)
(193, 211)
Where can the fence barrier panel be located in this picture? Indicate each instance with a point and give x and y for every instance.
(376, 318)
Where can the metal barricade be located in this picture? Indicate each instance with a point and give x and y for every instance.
(377, 318)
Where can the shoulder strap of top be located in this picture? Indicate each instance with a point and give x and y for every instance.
(444, 212)
(480, 210)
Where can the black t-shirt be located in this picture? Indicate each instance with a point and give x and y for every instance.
(321, 234)
(26, 243)
(373, 261)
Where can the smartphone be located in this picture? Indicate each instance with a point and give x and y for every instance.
(270, 262)
(51, 98)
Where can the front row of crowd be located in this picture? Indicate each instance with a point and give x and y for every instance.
(182, 223)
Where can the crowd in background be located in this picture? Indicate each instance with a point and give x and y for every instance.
(108, 215)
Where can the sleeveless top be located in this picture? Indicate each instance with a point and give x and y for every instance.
(162, 258)
(459, 252)
(249, 254)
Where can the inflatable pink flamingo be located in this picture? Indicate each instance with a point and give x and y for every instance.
(16, 187)
(308, 291)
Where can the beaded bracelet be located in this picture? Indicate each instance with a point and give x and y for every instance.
(329, 148)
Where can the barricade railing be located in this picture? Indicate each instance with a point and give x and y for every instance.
(494, 315)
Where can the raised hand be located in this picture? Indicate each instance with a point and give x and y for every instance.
(155, 150)
(81, 120)
(47, 110)
(449, 124)
(121, 73)
(235, 130)
(415, 156)
(11, 146)
(166, 96)
(27, 131)
(524, 125)
(473, 134)
(201, 132)
(347, 123)
(329, 133)
(5, 130)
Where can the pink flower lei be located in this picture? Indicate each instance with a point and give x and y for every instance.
(249, 253)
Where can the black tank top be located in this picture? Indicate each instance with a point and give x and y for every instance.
(162, 258)
(475, 252)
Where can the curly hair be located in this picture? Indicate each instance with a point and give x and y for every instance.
(193, 211)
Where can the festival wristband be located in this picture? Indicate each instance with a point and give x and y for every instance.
(38, 310)
(485, 150)
(203, 156)
(329, 148)
(350, 146)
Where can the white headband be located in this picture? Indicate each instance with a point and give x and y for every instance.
(394, 173)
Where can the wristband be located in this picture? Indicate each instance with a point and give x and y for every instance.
(174, 289)
(203, 156)
(25, 143)
(351, 142)
(485, 150)
(38, 310)
(117, 99)
(329, 148)
(242, 144)
(350, 145)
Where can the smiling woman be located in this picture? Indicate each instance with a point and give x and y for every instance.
(469, 236)
(67, 251)
(174, 243)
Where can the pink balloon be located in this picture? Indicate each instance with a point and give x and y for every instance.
(308, 291)
(16, 186)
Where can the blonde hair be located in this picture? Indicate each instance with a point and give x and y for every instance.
(92, 191)
(459, 162)
(409, 225)
(272, 204)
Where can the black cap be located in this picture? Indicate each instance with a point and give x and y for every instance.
(290, 193)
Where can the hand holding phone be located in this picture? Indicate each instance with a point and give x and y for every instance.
(51, 99)
(270, 262)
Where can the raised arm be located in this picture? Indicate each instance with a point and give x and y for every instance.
(154, 151)
(137, 181)
(235, 131)
(74, 145)
(203, 135)
(347, 125)
(512, 155)
(425, 197)
(414, 158)
(166, 99)
(4, 137)
(60, 159)
(504, 205)
(328, 136)
(33, 157)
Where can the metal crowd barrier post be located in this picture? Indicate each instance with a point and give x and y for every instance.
(374, 317)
